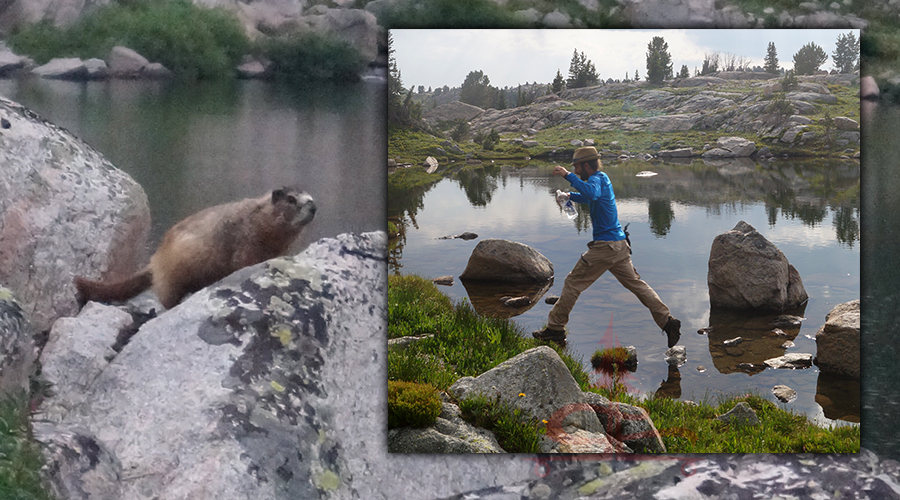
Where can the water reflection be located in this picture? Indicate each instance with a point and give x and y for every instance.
(761, 338)
(807, 190)
(498, 300)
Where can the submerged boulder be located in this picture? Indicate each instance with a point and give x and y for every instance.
(748, 272)
(504, 260)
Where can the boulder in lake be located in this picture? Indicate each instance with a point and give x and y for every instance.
(731, 147)
(63, 68)
(837, 342)
(9, 62)
(504, 260)
(784, 393)
(748, 272)
(792, 361)
(252, 69)
(126, 63)
(676, 153)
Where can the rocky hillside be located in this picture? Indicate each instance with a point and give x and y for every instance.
(822, 111)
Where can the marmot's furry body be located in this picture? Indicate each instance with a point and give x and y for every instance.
(210, 245)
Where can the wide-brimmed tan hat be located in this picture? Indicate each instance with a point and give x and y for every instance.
(585, 154)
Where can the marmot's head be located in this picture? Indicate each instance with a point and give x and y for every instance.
(293, 206)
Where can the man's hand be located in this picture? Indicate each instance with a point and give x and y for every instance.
(560, 171)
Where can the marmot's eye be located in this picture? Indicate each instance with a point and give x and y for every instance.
(292, 200)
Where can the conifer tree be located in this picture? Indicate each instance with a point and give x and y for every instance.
(846, 53)
(659, 61)
(582, 72)
(809, 58)
(771, 61)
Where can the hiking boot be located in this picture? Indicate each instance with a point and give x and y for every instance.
(550, 334)
(673, 330)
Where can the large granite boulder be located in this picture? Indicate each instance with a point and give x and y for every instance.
(64, 211)
(538, 384)
(124, 62)
(452, 111)
(748, 272)
(63, 68)
(731, 147)
(357, 27)
(268, 384)
(9, 62)
(844, 123)
(627, 423)
(504, 260)
(837, 342)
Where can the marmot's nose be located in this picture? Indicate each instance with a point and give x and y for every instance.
(312, 207)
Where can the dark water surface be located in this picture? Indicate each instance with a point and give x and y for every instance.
(809, 209)
(196, 144)
(881, 279)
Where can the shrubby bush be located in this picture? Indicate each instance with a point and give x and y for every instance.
(192, 41)
(412, 405)
(308, 57)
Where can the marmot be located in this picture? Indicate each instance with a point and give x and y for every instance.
(210, 245)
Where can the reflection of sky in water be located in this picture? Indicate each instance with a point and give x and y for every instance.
(675, 265)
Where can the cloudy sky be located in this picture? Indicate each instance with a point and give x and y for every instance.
(434, 58)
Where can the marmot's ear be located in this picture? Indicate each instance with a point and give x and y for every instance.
(277, 195)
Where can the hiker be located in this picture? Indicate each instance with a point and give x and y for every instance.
(609, 250)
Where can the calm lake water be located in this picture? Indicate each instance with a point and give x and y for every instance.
(809, 209)
(196, 144)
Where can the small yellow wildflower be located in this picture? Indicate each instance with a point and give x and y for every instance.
(521, 394)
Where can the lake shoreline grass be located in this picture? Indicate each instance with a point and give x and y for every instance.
(464, 344)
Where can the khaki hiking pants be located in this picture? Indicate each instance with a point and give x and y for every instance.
(602, 256)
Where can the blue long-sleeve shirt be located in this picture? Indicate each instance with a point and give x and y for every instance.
(597, 193)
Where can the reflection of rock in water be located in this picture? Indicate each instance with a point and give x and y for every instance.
(671, 386)
(760, 339)
(487, 297)
(839, 397)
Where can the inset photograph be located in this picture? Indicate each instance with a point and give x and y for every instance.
(624, 241)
